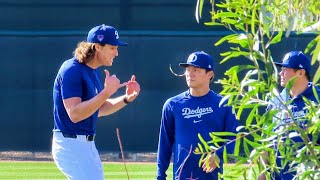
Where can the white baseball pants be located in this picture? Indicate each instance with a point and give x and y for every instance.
(77, 158)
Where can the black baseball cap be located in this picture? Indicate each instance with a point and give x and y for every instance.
(105, 34)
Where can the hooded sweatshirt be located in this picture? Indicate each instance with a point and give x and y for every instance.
(283, 118)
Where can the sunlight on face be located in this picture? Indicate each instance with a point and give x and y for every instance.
(106, 54)
(286, 74)
(196, 77)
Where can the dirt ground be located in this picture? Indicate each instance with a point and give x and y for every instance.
(105, 156)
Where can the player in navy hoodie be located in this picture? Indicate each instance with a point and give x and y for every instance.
(195, 111)
(295, 65)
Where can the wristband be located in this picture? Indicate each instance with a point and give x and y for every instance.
(125, 100)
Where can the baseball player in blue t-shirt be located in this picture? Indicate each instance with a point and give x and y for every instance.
(80, 98)
(184, 116)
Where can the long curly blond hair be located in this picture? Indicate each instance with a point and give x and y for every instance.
(84, 52)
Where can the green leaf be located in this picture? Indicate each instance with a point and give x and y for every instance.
(226, 38)
(201, 159)
(213, 24)
(233, 55)
(226, 15)
(204, 142)
(197, 151)
(237, 145)
(253, 19)
(276, 39)
(252, 143)
(242, 39)
(239, 68)
(240, 110)
(200, 7)
(240, 27)
(200, 148)
(216, 139)
(251, 115)
(316, 51)
(290, 83)
(246, 148)
(311, 44)
(224, 133)
(225, 155)
(269, 68)
(316, 76)
(314, 90)
(216, 160)
(230, 21)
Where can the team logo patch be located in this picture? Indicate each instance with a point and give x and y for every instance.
(192, 58)
(286, 57)
(300, 66)
(100, 37)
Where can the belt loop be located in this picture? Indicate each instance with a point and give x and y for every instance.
(90, 137)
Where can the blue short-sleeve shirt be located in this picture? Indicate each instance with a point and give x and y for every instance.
(75, 80)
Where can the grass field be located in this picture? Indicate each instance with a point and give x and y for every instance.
(47, 170)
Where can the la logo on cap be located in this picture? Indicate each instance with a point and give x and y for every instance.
(286, 57)
(100, 37)
(192, 57)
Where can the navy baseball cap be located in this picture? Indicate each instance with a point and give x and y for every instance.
(199, 59)
(104, 34)
(296, 60)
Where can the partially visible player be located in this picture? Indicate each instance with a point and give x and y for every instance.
(295, 66)
(184, 116)
(80, 98)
